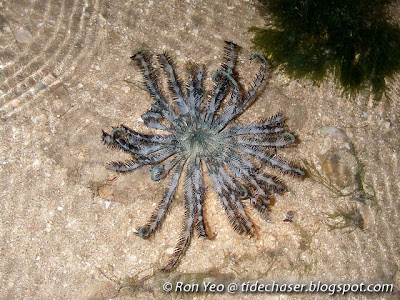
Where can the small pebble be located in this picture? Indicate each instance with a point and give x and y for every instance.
(40, 86)
(334, 131)
(107, 204)
(23, 36)
(289, 216)
(170, 251)
(126, 89)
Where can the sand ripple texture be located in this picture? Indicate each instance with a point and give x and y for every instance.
(45, 43)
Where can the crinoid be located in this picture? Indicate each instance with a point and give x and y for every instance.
(199, 135)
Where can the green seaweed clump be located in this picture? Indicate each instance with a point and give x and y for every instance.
(348, 219)
(355, 40)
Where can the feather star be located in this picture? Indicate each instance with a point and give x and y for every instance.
(200, 134)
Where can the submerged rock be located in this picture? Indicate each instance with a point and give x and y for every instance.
(340, 167)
